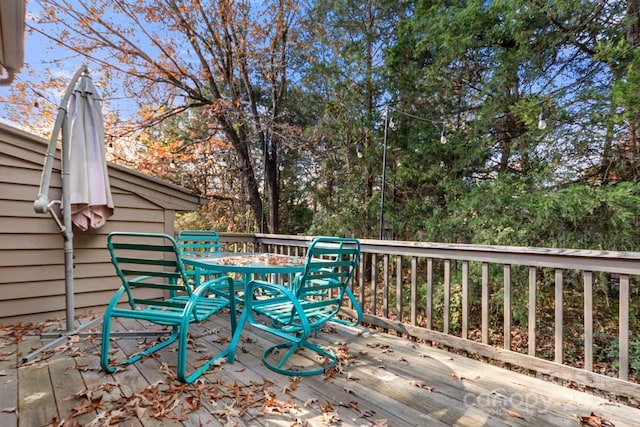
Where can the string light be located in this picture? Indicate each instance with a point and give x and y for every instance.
(542, 123)
(443, 137)
(172, 164)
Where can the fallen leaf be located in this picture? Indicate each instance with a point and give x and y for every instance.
(421, 384)
(140, 411)
(514, 414)
(594, 420)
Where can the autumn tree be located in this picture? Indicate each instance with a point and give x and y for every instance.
(228, 63)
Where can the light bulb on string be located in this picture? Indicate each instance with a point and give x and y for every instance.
(542, 123)
(443, 137)
(172, 164)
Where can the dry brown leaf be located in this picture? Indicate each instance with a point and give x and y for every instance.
(140, 411)
(331, 417)
(421, 384)
(514, 414)
(294, 382)
(594, 420)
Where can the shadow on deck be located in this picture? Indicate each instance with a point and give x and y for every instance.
(382, 380)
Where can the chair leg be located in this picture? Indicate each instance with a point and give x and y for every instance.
(330, 359)
(104, 345)
(183, 341)
(356, 307)
(106, 342)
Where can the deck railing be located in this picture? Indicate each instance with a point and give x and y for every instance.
(464, 297)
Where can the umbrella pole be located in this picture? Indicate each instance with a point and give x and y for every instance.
(67, 234)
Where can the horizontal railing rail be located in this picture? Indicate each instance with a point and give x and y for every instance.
(464, 297)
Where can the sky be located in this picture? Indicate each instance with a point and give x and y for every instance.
(40, 55)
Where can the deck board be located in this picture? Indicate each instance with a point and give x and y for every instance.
(8, 384)
(382, 379)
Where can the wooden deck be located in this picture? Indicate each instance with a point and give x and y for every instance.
(382, 381)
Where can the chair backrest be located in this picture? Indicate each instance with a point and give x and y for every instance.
(147, 262)
(197, 242)
(331, 262)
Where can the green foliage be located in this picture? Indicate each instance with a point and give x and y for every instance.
(506, 212)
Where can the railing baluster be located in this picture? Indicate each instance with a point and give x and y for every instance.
(447, 295)
(374, 283)
(429, 296)
(588, 320)
(385, 288)
(623, 333)
(507, 306)
(465, 299)
(399, 288)
(414, 291)
(485, 303)
(558, 316)
(532, 310)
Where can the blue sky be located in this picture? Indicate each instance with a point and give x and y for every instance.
(42, 58)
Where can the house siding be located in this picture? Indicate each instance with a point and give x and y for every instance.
(32, 282)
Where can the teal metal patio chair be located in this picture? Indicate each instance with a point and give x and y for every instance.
(199, 243)
(295, 312)
(146, 264)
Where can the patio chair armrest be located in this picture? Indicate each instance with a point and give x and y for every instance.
(221, 286)
(274, 289)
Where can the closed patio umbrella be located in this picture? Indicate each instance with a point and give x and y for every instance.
(86, 196)
(90, 196)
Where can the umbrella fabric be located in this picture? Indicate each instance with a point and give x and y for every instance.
(91, 202)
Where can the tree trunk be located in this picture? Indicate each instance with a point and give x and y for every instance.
(273, 187)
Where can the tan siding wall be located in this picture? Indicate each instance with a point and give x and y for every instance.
(32, 283)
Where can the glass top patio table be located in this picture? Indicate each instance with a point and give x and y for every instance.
(247, 264)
